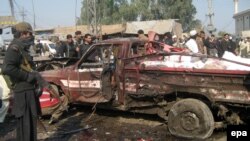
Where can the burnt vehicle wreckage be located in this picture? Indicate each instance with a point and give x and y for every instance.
(194, 99)
(194, 93)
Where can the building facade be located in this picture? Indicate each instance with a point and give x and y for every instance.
(242, 22)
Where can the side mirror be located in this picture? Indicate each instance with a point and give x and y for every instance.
(1, 31)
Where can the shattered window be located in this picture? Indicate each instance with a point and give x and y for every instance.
(93, 56)
(99, 53)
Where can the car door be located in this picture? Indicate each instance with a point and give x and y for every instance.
(93, 74)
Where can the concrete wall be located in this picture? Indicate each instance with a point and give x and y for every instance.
(242, 22)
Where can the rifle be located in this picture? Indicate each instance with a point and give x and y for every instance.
(42, 83)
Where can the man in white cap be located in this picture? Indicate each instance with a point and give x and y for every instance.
(191, 43)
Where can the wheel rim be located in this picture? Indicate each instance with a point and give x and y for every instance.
(190, 118)
(189, 121)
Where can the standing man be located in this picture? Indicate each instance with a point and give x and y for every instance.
(200, 40)
(69, 47)
(78, 38)
(211, 44)
(39, 48)
(243, 48)
(168, 39)
(141, 35)
(232, 46)
(86, 44)
(78, 41)
(26, 107)
(191, 44)
(225, 45)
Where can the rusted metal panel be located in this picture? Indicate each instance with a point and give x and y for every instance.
(217, 85)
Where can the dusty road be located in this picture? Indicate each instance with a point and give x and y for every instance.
(103, 125)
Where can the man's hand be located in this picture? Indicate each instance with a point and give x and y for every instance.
(31, 77)
(77, 49)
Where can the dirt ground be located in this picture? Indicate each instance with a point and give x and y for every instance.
(79, 124)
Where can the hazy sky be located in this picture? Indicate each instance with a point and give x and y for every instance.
(51, 13)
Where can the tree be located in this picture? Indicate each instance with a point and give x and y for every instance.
(118, 11)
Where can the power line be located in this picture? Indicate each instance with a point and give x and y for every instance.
(27, 12)
(227, 25)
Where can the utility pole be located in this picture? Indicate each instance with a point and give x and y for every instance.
(34, 18)
(76, 14)
(210, 26)
(23, 15)
(12, 8)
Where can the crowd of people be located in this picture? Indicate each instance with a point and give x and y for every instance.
(198, 42)
(71, 47)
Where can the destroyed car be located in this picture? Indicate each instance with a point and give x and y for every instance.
(194, 93)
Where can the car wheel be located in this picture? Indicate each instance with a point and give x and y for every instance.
(191, 118)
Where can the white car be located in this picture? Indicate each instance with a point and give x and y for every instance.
(4, 97)
(1, 44)
(51, 47)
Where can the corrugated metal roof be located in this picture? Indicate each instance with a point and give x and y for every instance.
(7, 21)
(106, 29)
(159, 26)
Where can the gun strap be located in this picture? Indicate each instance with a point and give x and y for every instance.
(25, 64)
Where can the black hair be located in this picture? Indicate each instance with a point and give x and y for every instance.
(168, 34)
(140, 31)
(78, 32)
(69, 36)
(86, 35)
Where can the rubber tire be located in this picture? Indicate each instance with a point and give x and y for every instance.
(195, 108)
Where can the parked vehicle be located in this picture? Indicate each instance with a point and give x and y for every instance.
(4, 97)
(7, 36)
(49, 46)
(2, 44)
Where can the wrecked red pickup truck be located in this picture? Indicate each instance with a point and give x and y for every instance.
(194, 93)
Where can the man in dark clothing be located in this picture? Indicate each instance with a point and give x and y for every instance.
(225, 45)
(87, 43)
(78, 38)
(168, 39)
(59, 48)
(78, 41)
(69, 47)
(26, 106)
(232, 45)
(39, 47)
(211, 44)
